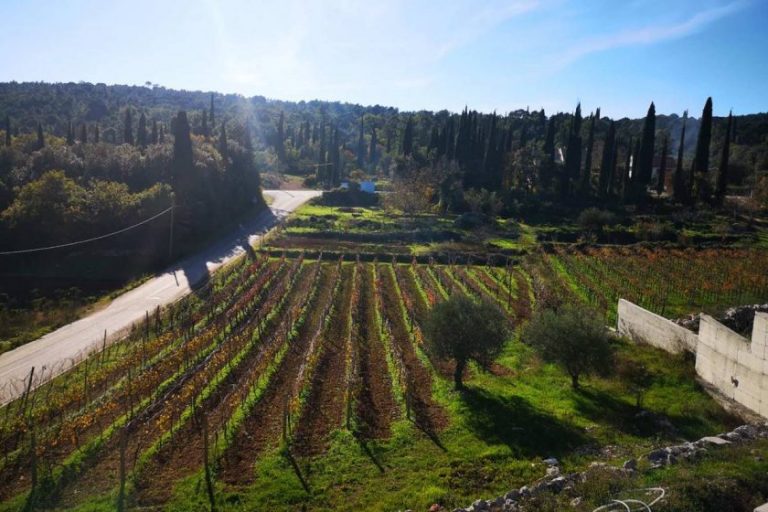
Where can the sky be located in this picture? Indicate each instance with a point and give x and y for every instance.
(487, 54)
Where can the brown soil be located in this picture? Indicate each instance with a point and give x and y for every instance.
(324, 410)
(264, 425)
(184, 455)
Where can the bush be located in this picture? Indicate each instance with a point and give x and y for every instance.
(655, 231)
(572, 337)
(594, 219)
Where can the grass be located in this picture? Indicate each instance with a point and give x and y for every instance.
(501, 427)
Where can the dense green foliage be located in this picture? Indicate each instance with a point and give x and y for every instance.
(462, 329)
(572, 337)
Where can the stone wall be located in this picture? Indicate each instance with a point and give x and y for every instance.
(645, 327)
(734, 365)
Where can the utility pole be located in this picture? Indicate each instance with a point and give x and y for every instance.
(170, 237)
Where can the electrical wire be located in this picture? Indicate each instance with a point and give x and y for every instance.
(79, 242)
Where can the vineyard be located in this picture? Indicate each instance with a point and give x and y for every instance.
(280, 367)
(670, 282)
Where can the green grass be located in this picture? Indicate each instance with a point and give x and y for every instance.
(500, 429)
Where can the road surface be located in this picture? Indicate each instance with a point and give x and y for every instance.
(59, 350)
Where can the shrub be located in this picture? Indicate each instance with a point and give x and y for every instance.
(572, 337)
(594, 219)
(462, 329)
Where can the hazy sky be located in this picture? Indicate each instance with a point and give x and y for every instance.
(488, 54)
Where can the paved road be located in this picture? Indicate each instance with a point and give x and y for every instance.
(58, 350)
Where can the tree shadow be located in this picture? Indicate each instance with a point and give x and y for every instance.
(512, 421)
(602, 407)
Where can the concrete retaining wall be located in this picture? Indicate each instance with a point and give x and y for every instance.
(645, 327)
(734, 365)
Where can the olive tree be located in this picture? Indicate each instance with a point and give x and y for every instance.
(572, 337)
(462, 330)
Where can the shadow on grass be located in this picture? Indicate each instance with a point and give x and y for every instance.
(512, 421)
(604, 408)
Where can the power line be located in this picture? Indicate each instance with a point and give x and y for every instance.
(79, 242)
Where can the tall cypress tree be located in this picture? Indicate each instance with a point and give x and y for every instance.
(572, 155)
(663, 166)
(643, 167)
(372, 151)
(83, 133)
(7, 131)
(549, 140)
(204, 128)
(361, 145)
(96, 134)
(141, 134)
(182, 162)
(280, 140)
(408, 137)
(153, 138)
(128, 127)
(223, 144)
(681, 187)
(722, 176)
(70, 134)
(701, 158)
(625, 176)
(40, 136)
(212, 116)
(587, 173)
(607, 161)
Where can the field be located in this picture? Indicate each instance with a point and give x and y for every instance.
(291, 382)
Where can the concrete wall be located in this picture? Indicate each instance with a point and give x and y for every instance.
(645, 327)
(734, 365)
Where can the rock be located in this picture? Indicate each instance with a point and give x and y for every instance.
(512, 495)
(480, 505)
(510, 505)
(553, 471)
(659, 458)
(525, 491)
(732, 437)
(556, 485)
(575, 502)
(551, 461)
(498, 503)
(746, 431)
(630, 465)
(718, 441)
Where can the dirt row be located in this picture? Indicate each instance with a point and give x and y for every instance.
(264, 425)
(184, 455)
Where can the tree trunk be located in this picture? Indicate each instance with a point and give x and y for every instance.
(575, 381)
(458, 373)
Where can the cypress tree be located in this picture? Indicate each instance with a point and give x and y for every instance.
(7, 131)
(642, 169)
(587, 173)
(663, 166)
(40, 136)
(204, 127)
(549, 140)
(154, 135)
(626, 174)
(681, 188)
(722, 176)
(701, 158)
(361, 145)
(161, 134)
(223, 145)
(212, 116)
(372, 151)
(607, 162)
(141, 134)
(572, 155)
(280, 141)
(84, 134)
(128, 127)
(70, 134)
(96, 134)
(335, 158)
(182, 148)
(408, 137)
